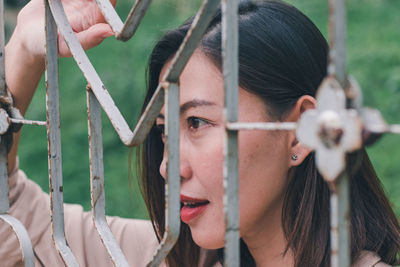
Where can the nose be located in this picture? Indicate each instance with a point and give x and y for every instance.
(185, 170)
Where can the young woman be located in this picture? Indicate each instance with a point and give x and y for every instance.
(284, 202)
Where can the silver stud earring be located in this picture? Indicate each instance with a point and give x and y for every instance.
(294, 157)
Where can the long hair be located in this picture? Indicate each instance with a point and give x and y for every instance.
(282, 56)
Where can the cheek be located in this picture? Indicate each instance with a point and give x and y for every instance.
(208, 162)
(206, 156)
(263, 162)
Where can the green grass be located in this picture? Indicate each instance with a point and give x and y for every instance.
(373, 59)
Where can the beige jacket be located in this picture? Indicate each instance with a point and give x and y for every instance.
(31, 206)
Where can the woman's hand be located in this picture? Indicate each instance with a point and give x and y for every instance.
(24, 53)
(84, 16)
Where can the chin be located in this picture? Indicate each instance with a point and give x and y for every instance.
(208, 240)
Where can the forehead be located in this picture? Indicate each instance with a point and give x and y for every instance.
(200, 79)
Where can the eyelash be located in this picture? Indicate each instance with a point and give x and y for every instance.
(191, 122)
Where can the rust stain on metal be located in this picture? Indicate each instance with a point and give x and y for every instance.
(165, 84)
(331, 130)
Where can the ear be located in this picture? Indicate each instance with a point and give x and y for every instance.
(298, 151)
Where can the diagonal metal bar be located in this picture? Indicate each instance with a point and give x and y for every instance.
(192, 38)
(89, 72)
(54, 140)
(231, 86)
(133, 20)
(172, 185)
(23, 238)
(124, 31)
(110, 15)
(97, 182)
(189, 44)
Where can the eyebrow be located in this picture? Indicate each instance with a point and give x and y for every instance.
(191, 104)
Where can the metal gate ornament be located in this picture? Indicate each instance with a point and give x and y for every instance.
(330, 129)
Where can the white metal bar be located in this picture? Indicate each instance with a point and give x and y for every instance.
(29, 122)
(133, 20)
(269, 126)
(3, 90)
(338, 33)
(189, 44)
(340, 230)
(340, 225)
(192, 38)
(16, 226)
(231, 175)
(54, 140)
(110, 15)
(97, 182)
(394, 128)
(4, 188)
(172, 185)
(23, 238)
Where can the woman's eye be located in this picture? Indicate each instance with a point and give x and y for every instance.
(195, 123)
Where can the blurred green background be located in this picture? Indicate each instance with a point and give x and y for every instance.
(373, 59)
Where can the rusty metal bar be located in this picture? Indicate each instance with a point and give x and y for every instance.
(97, 182)
(133, 20)
(4, 188)
(23, 238)
(340, 225)
(172, 185)
(110, 15)
(124, 31)
(192, 38)
(16, 226)
(3, 90)
(394, 128)
(29, 122)
(54, 140)
(269, 126)
(128, 137)
(286, 126)
(231, 166)
(338, 33)
(89, 72)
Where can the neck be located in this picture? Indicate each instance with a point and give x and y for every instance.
(267, 244)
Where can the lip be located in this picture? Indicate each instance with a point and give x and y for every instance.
(191, 199)
(189, 212)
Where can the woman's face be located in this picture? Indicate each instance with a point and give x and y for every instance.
(264, 158)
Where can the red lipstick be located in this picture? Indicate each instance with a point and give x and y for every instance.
(192, 207)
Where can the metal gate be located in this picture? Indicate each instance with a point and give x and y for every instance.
(338, 108)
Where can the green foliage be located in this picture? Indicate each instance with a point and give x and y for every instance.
(373, 58)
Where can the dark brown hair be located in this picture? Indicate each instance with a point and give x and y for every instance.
(282, 56)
